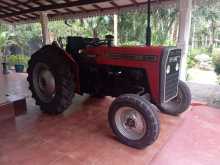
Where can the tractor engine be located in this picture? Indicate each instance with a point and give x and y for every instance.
(103, 79)
(112, 81)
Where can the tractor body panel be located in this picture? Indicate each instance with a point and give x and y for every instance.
(112, 71)
(146, 58)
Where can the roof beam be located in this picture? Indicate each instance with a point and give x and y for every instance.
(18, 3)
(8, 4)
(114, 4)
(22, 3)
(54, 6)
(134, 2)
(69, 10)
(97, 7)
(8, 8)
(83, 9)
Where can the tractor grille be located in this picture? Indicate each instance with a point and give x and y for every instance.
(171, 86)
(172, 68)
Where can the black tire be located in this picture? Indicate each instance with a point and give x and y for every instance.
(179, 104)
(149, 117)
(48, 59)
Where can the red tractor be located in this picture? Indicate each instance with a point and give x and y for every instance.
(141, 79)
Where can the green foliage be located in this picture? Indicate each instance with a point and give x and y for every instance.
(131, 29)
(129, 43)
(191, 61)
(216, 60)
(206, 21)
(18, 59)
(6, 40)
(89, 27)
(132, 26)
(162, 20)
(196, 51)
(24, 33)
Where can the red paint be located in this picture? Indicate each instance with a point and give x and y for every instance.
(152, 69)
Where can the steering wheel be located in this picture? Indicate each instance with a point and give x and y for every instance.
(96, 43)
(107, 41)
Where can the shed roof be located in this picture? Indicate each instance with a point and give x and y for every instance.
(15, 11)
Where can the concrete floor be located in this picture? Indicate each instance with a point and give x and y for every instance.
(208, 93)
(82, 135)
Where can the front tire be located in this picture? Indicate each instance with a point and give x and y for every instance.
(134, 121)
(179, 104)
(50, 80)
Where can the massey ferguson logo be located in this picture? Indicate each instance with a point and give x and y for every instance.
(133, 57)
(173, 59)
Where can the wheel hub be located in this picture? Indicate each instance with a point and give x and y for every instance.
(130, 123)
(44, 82)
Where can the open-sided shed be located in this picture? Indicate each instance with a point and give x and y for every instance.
(26, 11)
(29, 10)
(76, 139)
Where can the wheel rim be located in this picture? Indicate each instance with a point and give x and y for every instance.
(44, 82)
(130, 123)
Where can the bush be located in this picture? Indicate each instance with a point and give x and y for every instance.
(191, 61)
(18, 59)
(216, 60)
(130, 43)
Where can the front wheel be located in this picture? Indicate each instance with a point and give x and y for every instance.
(180, 103)
(134, 121)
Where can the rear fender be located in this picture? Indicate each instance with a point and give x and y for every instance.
(66, 56)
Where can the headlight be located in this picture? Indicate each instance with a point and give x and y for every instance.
(177, 67)
(168, 69)
(80, 51)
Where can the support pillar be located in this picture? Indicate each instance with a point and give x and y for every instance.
(44, 26)
(185, 14)
(115, 29)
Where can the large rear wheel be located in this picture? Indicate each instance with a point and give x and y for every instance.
(180, 103)
(134, 120)
(51, 81)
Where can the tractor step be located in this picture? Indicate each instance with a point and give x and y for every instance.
(11, 107)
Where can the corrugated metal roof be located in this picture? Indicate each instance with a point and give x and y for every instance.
(16, 11)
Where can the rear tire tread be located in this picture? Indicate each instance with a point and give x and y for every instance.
(64, 78)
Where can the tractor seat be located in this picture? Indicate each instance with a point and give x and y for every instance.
(74, 44)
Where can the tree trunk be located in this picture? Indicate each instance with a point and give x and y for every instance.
(193, 36)
(95, 33)
(212, 37)
(175, 31)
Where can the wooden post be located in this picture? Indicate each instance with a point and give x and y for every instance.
(115, 29)
(44, 26)
(185, 14)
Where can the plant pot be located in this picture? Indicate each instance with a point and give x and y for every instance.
(5, 68)
(19, 68)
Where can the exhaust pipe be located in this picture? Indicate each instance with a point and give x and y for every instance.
(148, 29)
